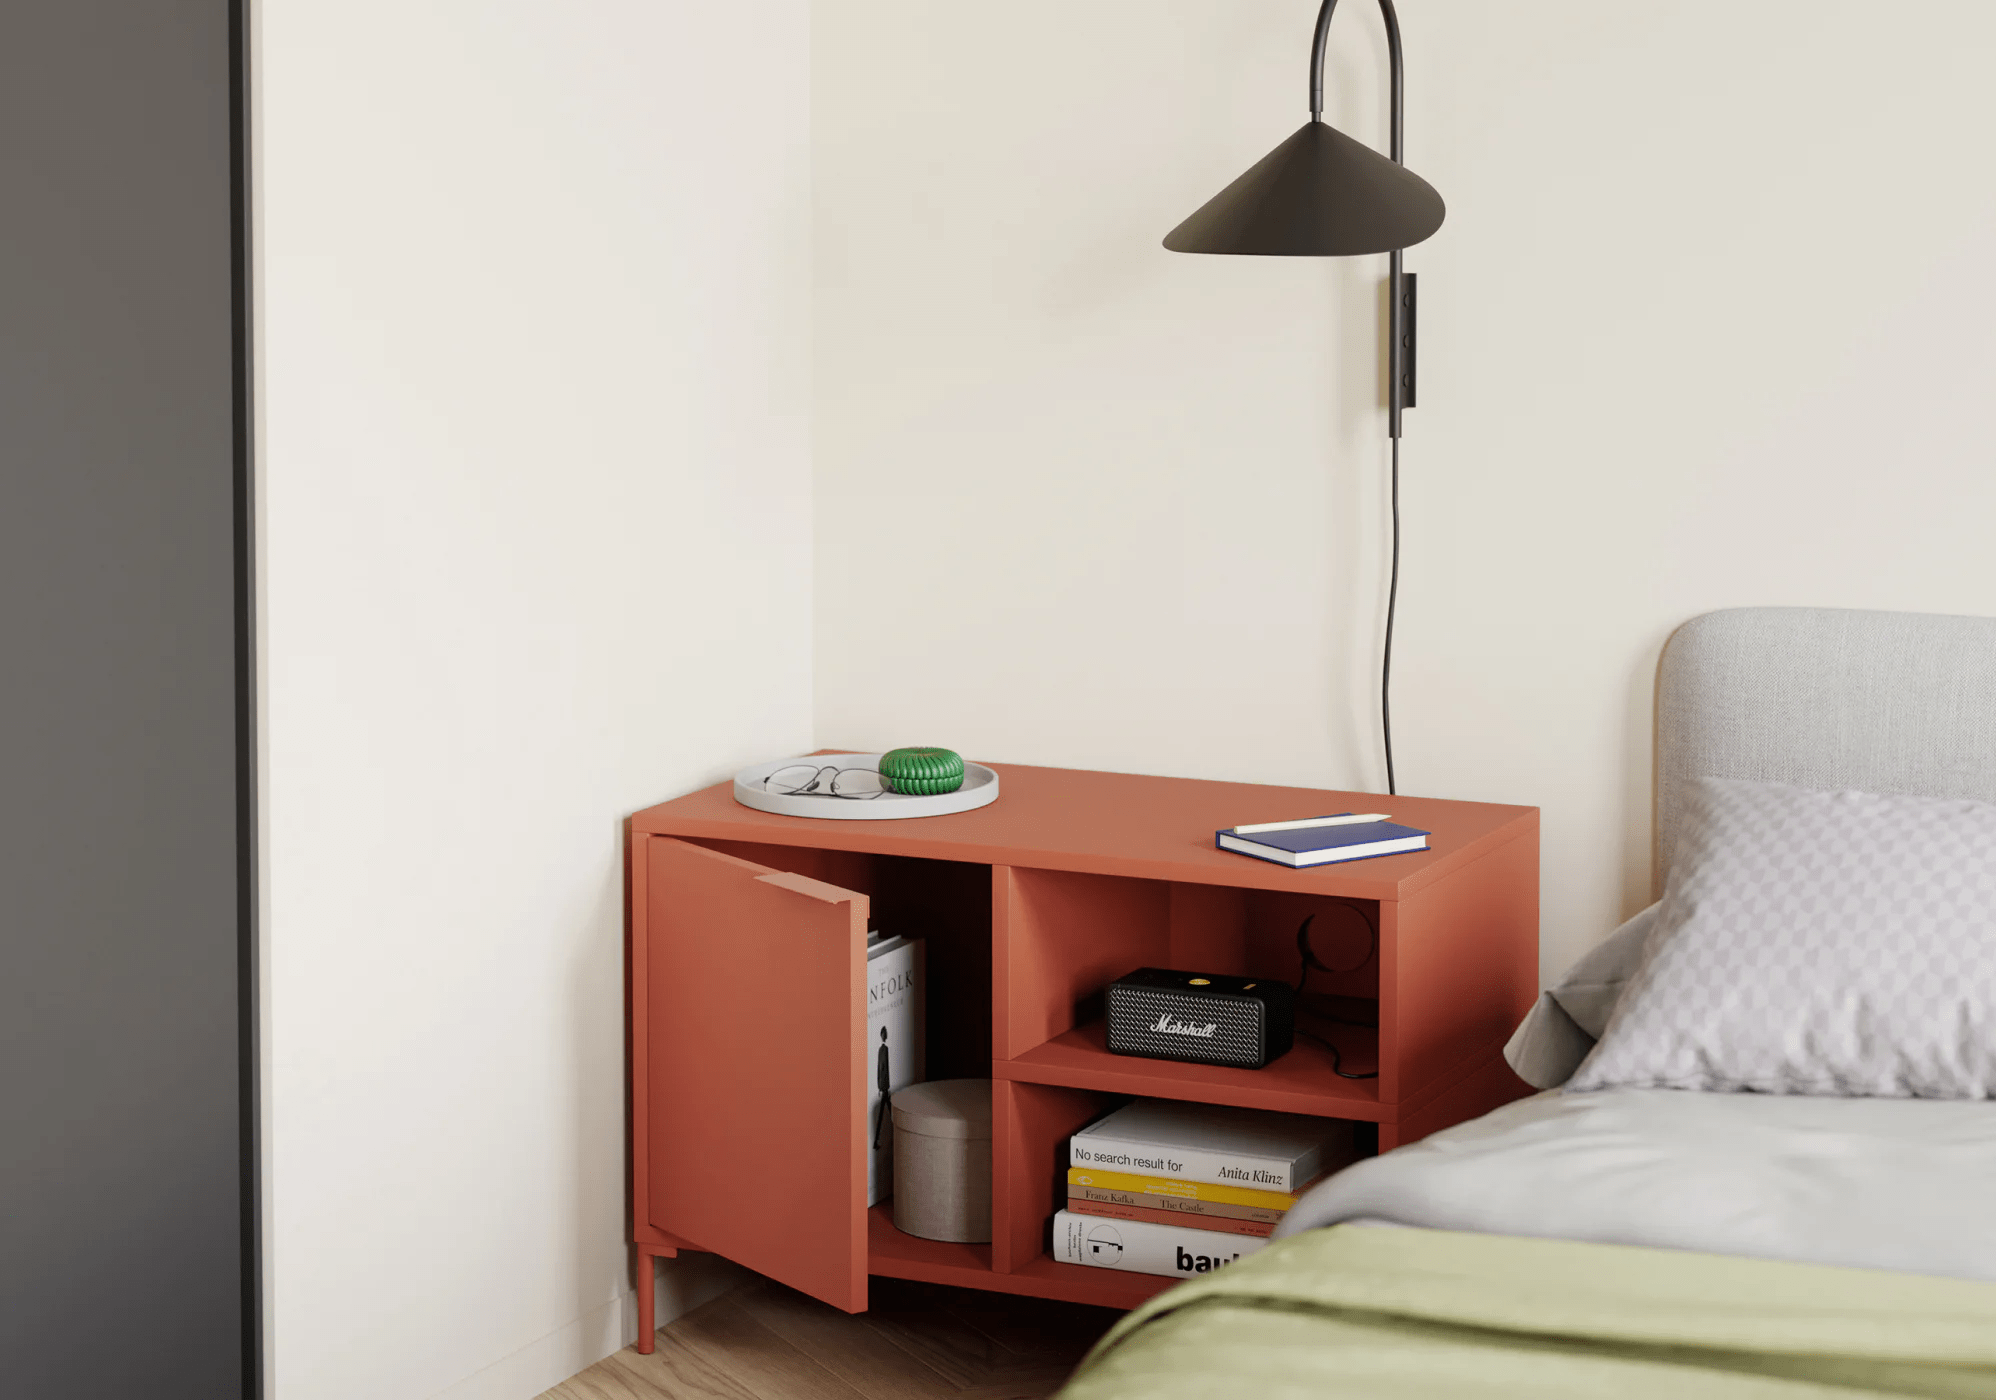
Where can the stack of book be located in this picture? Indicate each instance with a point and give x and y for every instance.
(1180, 1188)
(894, 1046)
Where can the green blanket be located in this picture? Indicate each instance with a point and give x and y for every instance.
(1350, 1312)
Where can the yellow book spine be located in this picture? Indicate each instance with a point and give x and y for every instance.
(1188, 1190)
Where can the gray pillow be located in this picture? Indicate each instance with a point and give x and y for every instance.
(1556, 1035)
(1809, 942)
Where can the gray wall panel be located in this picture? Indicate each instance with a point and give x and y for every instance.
(121, 1244)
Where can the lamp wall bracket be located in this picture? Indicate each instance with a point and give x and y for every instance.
(1400, 332)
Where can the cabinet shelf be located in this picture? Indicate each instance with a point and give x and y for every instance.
(1302, 1081)
(892, 1254)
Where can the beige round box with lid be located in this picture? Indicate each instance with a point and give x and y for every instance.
(942, 1160)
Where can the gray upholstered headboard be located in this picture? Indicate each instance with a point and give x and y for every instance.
(1826, 698)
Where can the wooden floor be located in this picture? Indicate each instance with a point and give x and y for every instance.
(918, 1342)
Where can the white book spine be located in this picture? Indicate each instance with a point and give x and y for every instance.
(1139, 1247)
(894, 1050)
(1189, 1164)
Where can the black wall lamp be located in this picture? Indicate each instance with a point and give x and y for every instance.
(1320, 194)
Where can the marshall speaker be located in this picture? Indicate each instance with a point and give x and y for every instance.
(1203, 1017)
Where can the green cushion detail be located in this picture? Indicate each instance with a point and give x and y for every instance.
(922, 772)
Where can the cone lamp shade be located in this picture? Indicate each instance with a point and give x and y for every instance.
(1319, 194)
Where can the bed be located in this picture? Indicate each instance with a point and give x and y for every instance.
(1636, 1240)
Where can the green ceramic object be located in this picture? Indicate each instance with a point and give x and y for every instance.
(922, 772)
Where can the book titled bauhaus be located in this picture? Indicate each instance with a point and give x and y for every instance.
(1214, 1143)
(1140, 1247)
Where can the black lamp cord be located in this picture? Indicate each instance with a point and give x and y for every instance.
(1386, 657)
(1309, 960)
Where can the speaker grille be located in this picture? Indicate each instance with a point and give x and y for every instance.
(1237, 1039)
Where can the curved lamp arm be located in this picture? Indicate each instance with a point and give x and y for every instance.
(1400, 296)
(1321, 46)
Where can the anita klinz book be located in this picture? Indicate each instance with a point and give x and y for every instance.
(1217, 1143)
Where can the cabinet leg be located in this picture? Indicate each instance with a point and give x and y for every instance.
(647, 1310)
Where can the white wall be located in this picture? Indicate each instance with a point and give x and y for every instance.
(535, 304)
(1710, 324)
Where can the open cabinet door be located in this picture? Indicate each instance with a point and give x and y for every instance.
(751, 1001)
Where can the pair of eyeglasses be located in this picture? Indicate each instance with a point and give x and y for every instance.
(810, 780)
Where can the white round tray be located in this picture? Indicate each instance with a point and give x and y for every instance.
(980, 789)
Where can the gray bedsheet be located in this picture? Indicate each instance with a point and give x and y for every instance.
(1865, 1183)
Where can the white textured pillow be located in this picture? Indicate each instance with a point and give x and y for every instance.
(1557, 1033)
(1812, 942)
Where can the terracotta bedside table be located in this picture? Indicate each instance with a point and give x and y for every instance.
(747, 1018)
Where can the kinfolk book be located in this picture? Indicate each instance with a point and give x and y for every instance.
(1213, 1143)
(894, 1049)
(1139, 1247)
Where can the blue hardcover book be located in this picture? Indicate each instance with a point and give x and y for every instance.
(1322, 840)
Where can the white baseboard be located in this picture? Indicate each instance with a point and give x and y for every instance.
(683, 1285)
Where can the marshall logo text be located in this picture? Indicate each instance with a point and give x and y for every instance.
(1199, 1018)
